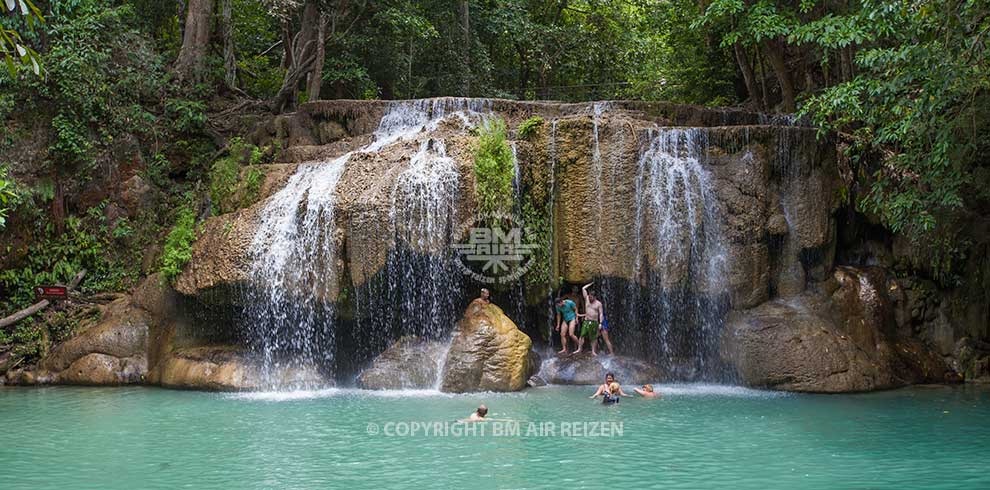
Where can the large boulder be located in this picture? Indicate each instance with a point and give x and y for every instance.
(589, 370)
(103, 370)
(410, 363)
(111, 352)
(826, 342)
(487, 353)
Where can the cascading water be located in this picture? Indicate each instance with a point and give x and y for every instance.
(679, 254)
(288, 312)
(289, 317)
(423, 280)
(421, 287)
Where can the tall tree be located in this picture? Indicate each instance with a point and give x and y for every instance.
(191, 62)
(229, 57)
(464, 18)
(319, 22)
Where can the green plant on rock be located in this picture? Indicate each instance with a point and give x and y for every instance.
(536, 224)
(529, 127)
(178, 244)
(493, 169)
(229, 188)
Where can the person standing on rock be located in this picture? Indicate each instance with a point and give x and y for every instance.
(566, 322)
(592, 321)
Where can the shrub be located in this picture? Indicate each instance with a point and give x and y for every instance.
(528, 127)
(226, 181)
(178, 244)
(493, 168)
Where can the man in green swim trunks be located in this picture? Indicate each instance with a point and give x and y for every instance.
(592, 320)
(566, 322)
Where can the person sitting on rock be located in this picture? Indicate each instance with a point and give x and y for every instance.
(485, 296)
(606, 386)
(613, 394)
(592, 321)
(566, 322)
(478, 415)
(647, 392)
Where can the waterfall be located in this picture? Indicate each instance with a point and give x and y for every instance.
(679, 253)
(420, 289)
(423, 281)
(289, 315)
(292, 271)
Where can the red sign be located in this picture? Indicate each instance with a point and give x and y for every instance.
(51, 292)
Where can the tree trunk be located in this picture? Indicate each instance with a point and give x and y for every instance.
(748, 77)
(465, 25)
(316, 74)
(58, 204)
(303, 54)
(195, 40)
(775, 53)
(229, 60)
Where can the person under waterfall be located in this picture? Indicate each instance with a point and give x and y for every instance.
(566, 322)
(592, 322)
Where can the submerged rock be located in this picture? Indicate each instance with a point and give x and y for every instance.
(827, 343)
(410, 363)
(589, 370)
(487, 353)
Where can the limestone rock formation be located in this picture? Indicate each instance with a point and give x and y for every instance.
(225, 368)
(589, 370)
(111, 352)
(487, 353)
(834, 340)
(102, 369)
(409, 363)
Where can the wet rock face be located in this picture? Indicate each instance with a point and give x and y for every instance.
(409, 363)
(487, 353)
(589, 370)
(828, 342)
(591, 161)
(225, 368)
(768, 192)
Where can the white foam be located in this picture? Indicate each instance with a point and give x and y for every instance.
(704, 389)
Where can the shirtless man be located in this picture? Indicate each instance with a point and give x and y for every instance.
(566, 322)
(592, 320)
(485, 296)
(647, 392)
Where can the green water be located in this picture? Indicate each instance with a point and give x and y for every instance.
(696, 437)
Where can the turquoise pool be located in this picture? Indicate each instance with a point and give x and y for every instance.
(698, 436)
